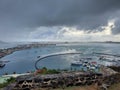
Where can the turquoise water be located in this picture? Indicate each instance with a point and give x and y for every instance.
(23, 61)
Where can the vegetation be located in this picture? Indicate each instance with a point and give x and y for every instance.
(115, 87)
(9, 81)
(115, 68)
(91, 87)
(44, 70)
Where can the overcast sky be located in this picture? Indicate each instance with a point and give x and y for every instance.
(60, 20)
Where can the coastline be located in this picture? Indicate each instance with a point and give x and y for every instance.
(7, 51)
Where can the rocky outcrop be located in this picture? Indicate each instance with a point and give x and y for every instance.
(57, 80)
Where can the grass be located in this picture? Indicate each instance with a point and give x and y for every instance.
(91, 87)
(44, 70)
(9, 81)
(115, 87)
(80, 88)
(115, 68)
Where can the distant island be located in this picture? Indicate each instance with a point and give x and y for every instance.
(112, 42)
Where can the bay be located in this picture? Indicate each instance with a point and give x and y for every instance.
(24, 60)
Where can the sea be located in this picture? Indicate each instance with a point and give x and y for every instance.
(24, 61)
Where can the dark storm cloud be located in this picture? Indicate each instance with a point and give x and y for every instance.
(56, 12)
(86, 14)
(116, 30)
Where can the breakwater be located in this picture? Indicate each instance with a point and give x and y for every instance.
(51, 55)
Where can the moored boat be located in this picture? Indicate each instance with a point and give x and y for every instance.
(2, 65)
(77, 63)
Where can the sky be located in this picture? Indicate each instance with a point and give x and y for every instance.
(59, 20)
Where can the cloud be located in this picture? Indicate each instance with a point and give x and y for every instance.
(56, 12)
(74, 34)
(44, 33)
(116, 30)
(18, 18)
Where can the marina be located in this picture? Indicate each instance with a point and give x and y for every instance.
(85, 65)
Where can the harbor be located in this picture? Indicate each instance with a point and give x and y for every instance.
(68, 61)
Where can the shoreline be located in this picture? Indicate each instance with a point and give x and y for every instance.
(8, 51)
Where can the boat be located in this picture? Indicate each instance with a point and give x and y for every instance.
(2, 65)
(4, 61)
(38, 56)
(81, 62)
(77, 63)
(108, 59)
(87, 58)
